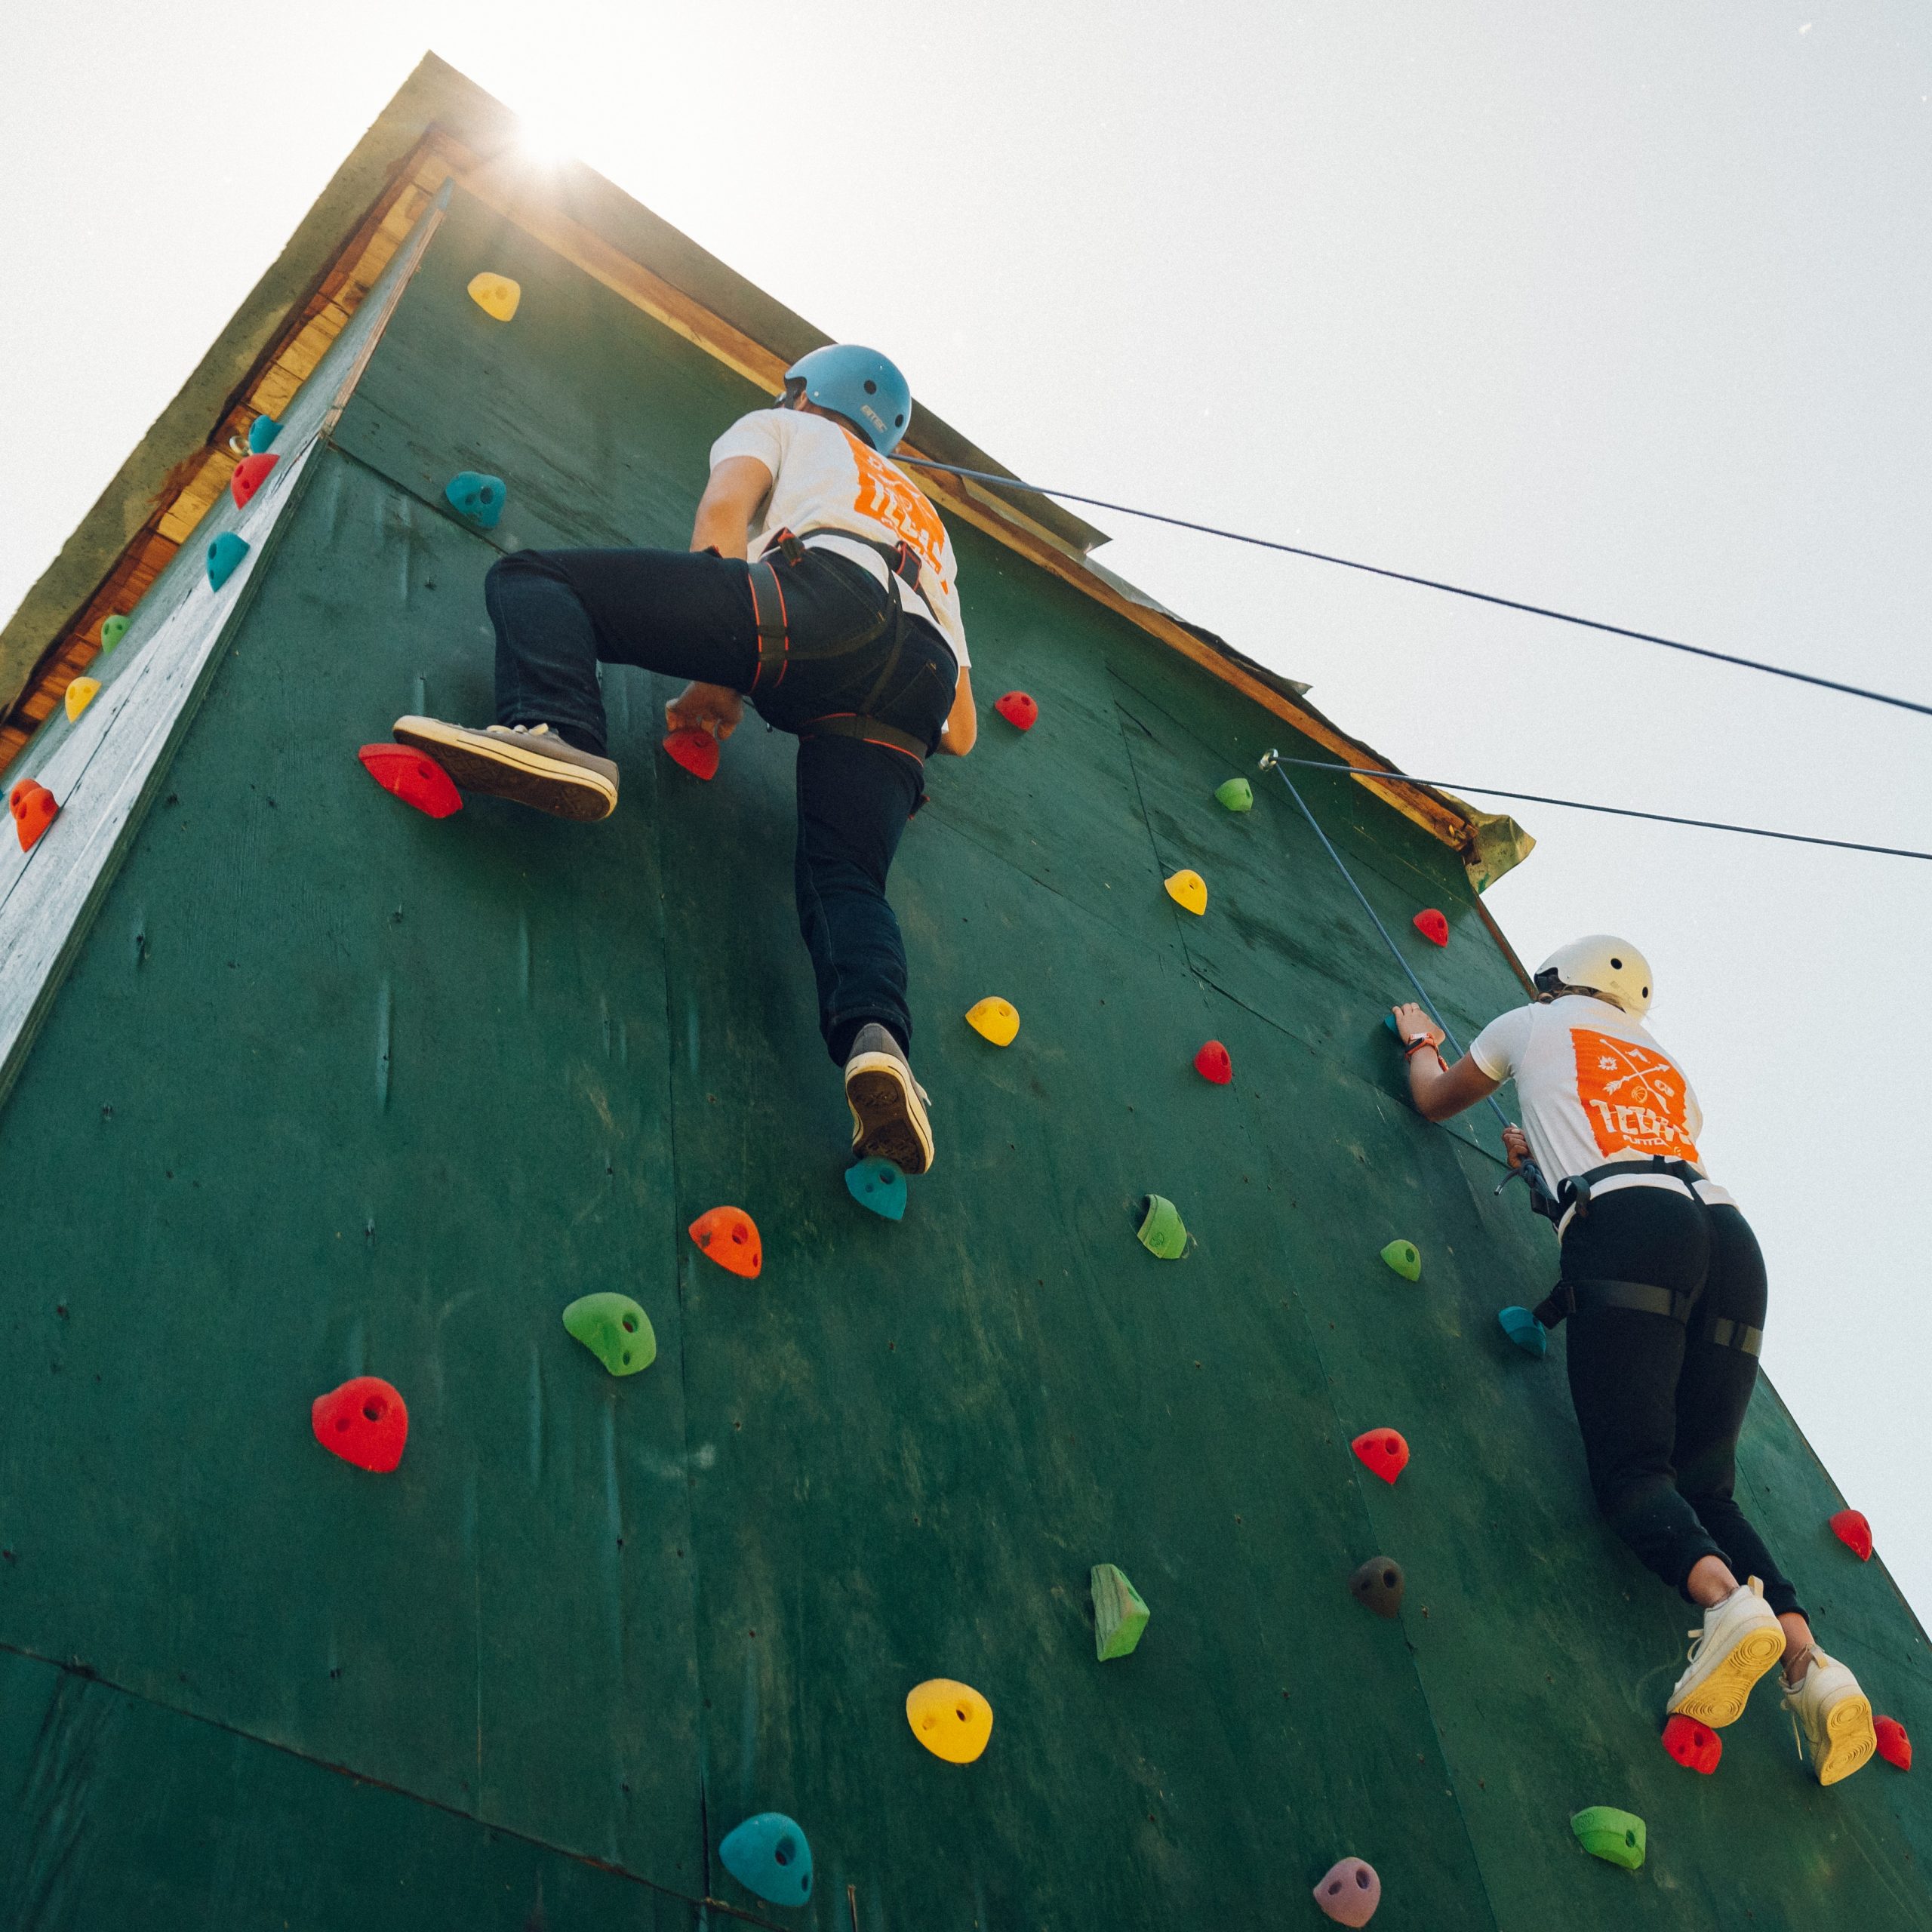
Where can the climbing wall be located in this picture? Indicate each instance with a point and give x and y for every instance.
(333, 1088)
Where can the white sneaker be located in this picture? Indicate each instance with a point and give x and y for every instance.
(1741, 1639)
(1836, 1717)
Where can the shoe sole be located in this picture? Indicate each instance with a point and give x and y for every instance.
(502, 768)
(888, 1122)
(1720, 1698)
(1850, 1739)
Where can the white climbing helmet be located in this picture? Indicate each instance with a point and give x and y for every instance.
(1604, 963)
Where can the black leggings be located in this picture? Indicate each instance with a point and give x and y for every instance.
(1659, 1403)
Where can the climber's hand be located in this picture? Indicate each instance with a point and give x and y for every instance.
(1516, 1144)
(714, 708)
(1413, 1024)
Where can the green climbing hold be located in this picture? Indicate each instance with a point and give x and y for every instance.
(615, 1329)
(1405, 1258)
(113, 630)
(1238, 795)
(1162, 1231)
(1605, 1832)
(1119, 1615)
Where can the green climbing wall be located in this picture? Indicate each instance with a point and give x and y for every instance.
(332, 1088)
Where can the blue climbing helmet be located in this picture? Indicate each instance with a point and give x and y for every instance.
(859, 384)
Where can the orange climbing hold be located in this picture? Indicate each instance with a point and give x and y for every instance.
(412, 776)
(1383, 1451)
(730, 1236)
(1893, 1745)
(1432, 926)
(365, 1421)
(1851, 1529)
(34, 809)
(1213, 1062)
(695, 749)
(1018, 709)
(251, 473)
(1694, 1746)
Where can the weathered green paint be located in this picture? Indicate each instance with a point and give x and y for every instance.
(374, 1093)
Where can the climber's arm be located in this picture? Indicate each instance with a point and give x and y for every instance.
(729, 505)
(961, 728)
(1437, 1089)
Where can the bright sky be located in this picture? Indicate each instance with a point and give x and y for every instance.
(1622, 309)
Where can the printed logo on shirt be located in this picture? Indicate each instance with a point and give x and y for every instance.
(1633, 1096)
(888, 497)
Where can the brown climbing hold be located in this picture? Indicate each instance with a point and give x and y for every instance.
(1377, 1585)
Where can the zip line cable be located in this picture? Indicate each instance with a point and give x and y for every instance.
(1427, 583)
(1617, 811)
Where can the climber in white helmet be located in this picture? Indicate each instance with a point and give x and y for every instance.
(1663, 1285)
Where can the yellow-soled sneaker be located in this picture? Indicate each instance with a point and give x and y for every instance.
(888, 1105)
(1741, 1639)
(1835, 1717)
(529, 764)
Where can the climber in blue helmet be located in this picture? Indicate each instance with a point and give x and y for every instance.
(820, 583)
(1664, 1292)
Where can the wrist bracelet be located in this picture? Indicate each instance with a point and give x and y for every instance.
(1416, 1046)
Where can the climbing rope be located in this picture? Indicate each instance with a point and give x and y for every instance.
(1425, 583)
(1616, 811)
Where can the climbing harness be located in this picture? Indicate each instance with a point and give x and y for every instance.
(1528, 1172)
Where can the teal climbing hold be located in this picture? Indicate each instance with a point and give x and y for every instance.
(262, 433)
(877, 1184)
(1389, 1020)
(1405, 1258)
(768, 1855)
(113, 630)
(1524, 1329)
(224, 553)
(1238, 795)
(1605, 1832)
(476, 498)
(615, 1329)
(1162, 1231)
(1119, 1614)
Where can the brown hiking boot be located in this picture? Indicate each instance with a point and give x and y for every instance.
(888, 1105)
(529, 764)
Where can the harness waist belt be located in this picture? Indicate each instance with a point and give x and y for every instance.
(870, 731)
(1566, 1297)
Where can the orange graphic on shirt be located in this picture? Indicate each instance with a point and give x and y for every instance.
(1633, 1096)
(886, 495)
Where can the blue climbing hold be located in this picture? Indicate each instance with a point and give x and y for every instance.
(1524, 1329)
(877, 1184)
(768, 1855)
(1389, 1020)
(224, 553)
(475, 498)
(262, 433)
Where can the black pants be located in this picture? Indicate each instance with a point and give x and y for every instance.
(557, 612)
(1659, 1403)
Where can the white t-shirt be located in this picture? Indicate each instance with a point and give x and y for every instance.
(823, 476)
(1594, 1087)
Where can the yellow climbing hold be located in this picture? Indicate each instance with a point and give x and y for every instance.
(496, 295)
(80, 695)
(995, 1019)
(1188, 889)
(952, 1720)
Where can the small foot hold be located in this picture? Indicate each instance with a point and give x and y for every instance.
(877, 1185)
(1214, 1063)
(1405, 1258)
(79, 694)
(1524, 1329)
(1851, 1529)
(262, 433)
(365, 1421)
(1161, 1231)
(1018, 709)
(1382, 1451)
(951, 1719)
(1120, 1615)
(1894, 1747)
(1349, 1892)
(1605, 1832)
(496, 295)
(615, 1329)
(35, 809)
(114, 630)
(1432, 926)
(769, 1855)
(251, 473)
(476, 498)
(1189, 890)
(695, 749)
(224, 554)
(413, 777)
(995, 1019)
(730, 1236)
(1694, 1746)
(1237, 795)
(1376, 1585)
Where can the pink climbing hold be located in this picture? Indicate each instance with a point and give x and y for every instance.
(1893, 1745)
(413, 777)
(695, 749)
(1851, 1529)
(1694, 1746)
(1382, 1451)
(251, 473)
(1018, 709)
(1349, 1892)
(1432, 926)
(1212, 1062)
(365, 1421)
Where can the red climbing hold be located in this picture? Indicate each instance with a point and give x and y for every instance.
(1432, 926)
(1018, 709)
(34, 809)
(730, 1236)
(1212, 1062)
(363, 1422)
(415, 778)
(696, 749)
(1694, 1746)
(1893, 1745)
(1854, 1532)
(251, 473)
(1382, 1451)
